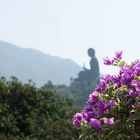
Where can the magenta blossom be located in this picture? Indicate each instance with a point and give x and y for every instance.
(118, 55)
(102, 86)
(132, 93)
(107, 61)
(136, 85)
(94, 123)
(93, 98)
(77, 119)
(108, 121)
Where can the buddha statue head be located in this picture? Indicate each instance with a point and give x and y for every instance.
(91, 52)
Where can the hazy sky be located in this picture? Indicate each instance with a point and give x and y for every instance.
(67, 28)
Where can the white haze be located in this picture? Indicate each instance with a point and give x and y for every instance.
(67, 28)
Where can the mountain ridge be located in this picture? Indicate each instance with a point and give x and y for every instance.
(28, 63)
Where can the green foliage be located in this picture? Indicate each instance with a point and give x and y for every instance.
(79, 94)
(31, 113)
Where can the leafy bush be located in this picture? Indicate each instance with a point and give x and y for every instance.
(31, 113)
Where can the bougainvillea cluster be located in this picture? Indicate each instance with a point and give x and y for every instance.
(116, 96)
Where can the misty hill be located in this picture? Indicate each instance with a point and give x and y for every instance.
(28, 64)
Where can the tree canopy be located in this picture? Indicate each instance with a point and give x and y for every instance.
(31, 113)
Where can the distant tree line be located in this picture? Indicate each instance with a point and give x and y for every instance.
(31, 113)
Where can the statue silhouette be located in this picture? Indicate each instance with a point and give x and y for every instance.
(86, 81)
(91, 74)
